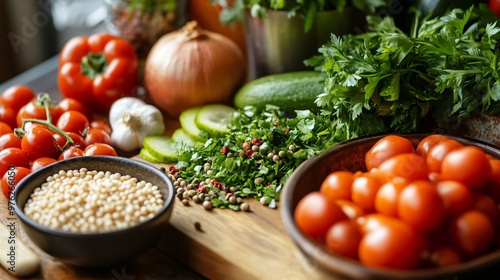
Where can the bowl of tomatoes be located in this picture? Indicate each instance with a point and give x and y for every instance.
(412, 206)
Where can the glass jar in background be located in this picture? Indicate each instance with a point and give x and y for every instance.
(143, 22)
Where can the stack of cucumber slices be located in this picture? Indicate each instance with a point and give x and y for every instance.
(197, 125)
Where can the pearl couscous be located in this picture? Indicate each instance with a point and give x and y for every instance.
(93, 201)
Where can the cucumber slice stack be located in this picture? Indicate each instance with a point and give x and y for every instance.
(197, 124)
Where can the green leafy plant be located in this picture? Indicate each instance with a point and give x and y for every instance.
(305, 8)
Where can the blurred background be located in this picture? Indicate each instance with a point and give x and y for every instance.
(35, 30)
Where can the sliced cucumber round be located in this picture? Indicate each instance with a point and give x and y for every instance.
(180, 136)
(162, 148)
(214, 119)
(186, 120)
(145, 154)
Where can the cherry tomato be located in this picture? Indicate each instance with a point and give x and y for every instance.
(17, 96)
(343, 238)
(9, 140)
(71, 152)
(101, 125)
(316, 213)
(437, 153)
(34, 110)
(350, 209)
(426, 144)
(13, 157)
(421, 206)
(73, 121)
(96, 135)
(8, 116)
(444, 255)
(494, 6)
(386, 199)
(385, 148)
(337, 185)
(486, 205)
(39, 142)
(392, 245)
(456, 197)
(492, 187)
(473, 233)
(11, 178)
(78, 140)
(468, 165)
(41, 162)
(30, 125)
(71, 104)
(99, 149)
(411, 167)
(5, 128)
(364, 189)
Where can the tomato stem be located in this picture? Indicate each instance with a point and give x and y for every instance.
(44, 100)
(93, 64)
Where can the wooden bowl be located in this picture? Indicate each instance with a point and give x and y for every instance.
(350, 156)
(100, 249)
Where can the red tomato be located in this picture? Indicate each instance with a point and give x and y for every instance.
(61, 141)
(385, 148)
(494, 6)
(473, 232)
(444, 255)
(34, 110)
(337, 185)
(343, 238)
(456, 197)
(492, 187)
(11, 178)
(421, 206)
(41, 162)
(393, 244)
(13, 157)
(8, 116)
(437, 153)
(71, 152)
(364, 189)
(316, 213)
(5, 128)
(386, 200)
(9, 140)
(486, 205)
(410, 167)
(426, 144)
(99, 149)
(350, 209)
(101, 125)
(96, 135)
(468, 165)
(17, 96)
(73, 121)
(71, 104)
(39, 142)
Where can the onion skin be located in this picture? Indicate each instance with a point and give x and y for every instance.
(193, 67)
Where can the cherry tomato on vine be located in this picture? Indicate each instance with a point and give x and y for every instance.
(101, 125)
(13, 157)
(99, 149)
(78, 140)
(73, 121)
(9, 140)
(96, 135)
(71, 152)
(39, 142)
(5, 128)
(8, 116)
(41, 162)
(72, 104)
(17, 96)
(385, 148)
(468, 165)
(35, 110)
(11, 178)
(316, 213)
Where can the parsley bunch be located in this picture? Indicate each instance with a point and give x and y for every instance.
(387, 80)
(306, 8)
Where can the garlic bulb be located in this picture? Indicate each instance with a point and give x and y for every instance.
(132, 120)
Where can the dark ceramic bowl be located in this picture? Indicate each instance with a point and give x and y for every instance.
(350, 156)
(97, 249)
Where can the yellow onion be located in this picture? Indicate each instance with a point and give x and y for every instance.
(193, 67)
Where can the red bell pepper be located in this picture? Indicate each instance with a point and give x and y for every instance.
(97, 70)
